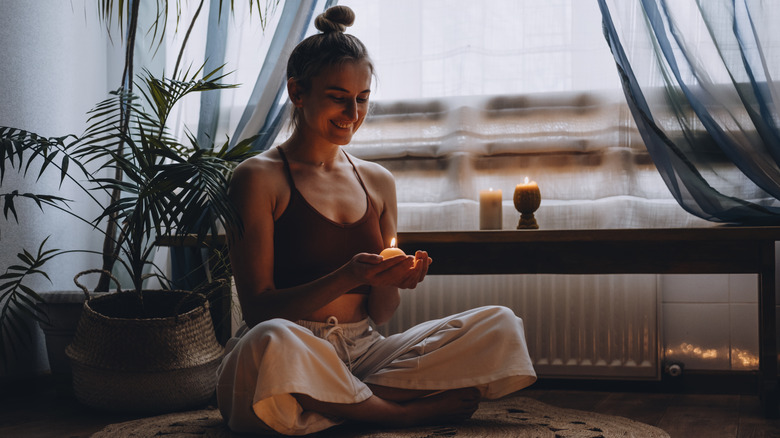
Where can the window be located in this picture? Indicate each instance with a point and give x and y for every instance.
(472, 95)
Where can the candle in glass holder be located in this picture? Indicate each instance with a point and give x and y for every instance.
(527, 199)
(490, 216)
(392, 251)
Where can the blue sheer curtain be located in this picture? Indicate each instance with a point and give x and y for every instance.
(216, 43)
(268, 106)
(265, 110)
(699, 78)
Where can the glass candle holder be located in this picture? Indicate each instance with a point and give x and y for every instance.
(527, 199)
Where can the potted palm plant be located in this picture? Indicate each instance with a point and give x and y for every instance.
(156, 185)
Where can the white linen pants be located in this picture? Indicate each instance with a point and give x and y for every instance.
(330, 362)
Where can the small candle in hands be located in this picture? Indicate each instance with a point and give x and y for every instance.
(392, 251)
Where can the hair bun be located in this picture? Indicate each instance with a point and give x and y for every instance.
(335, 19)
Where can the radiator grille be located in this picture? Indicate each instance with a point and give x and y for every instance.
(601, 326)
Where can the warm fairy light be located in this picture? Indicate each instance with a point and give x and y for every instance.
(744, 358)
(739, 358)
(687, 349)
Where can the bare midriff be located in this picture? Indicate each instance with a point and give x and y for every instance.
(346, 308)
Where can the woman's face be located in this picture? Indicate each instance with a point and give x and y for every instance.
(337, 102)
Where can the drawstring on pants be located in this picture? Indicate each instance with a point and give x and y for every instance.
(344, 341)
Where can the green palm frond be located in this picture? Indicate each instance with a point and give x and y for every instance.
(103, 137)
(162, 185)
(20, 303)
(164, 93)
(165, 186)
(9, 205)
(20, 148)
(156, 183)
(118, 12)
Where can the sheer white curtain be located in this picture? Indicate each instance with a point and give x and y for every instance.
(472, 95)
(441, 48)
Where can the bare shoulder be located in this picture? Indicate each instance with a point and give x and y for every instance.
(259, 181)
(265, 168)
(259, 165)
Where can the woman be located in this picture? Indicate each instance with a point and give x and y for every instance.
(310, 280)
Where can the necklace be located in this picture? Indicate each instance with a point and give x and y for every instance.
(293, 157)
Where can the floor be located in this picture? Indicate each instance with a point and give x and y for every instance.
(46, 408)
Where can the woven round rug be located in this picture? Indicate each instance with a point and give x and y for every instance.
(515, 417)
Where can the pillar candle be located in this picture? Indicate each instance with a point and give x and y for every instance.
(490, 215)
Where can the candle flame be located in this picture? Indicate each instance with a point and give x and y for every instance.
(526, 180)
(392, 243)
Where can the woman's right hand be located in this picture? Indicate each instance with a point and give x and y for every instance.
(399, 271)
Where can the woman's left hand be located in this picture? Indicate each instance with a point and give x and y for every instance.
(417, 272)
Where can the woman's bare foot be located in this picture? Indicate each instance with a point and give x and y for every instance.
(446, 407)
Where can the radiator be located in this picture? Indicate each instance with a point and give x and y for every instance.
(576, 326)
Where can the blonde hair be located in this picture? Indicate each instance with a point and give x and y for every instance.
(320, 51)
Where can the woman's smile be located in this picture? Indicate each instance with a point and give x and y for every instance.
(342, 125)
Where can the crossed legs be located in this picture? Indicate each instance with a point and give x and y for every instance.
(401, 407)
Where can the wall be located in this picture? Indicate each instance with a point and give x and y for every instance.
(56, 66)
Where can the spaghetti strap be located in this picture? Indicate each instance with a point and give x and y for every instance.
(360, 180)
(287, 168)
(294, 189)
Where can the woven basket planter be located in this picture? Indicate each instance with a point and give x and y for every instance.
(161, 356)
